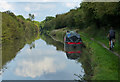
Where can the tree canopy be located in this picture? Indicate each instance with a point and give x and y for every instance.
(31, 17)
(89, 14)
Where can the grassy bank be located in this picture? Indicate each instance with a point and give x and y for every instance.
(16, 27)
(16, 32)
(101, 35)
(104, 63)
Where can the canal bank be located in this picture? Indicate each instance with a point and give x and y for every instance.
(104, 63)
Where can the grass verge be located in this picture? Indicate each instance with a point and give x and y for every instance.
(104, 64)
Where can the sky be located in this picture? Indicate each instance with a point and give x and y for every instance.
(40, 8)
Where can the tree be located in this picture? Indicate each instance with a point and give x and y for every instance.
(20, 16)
(48, 18)
(10, 13)
(31, 17)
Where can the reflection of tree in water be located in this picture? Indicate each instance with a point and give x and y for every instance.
(11, 47)
(82, 57)
(80, 54)
(50, 41)
(86, 64)
(60, 47)
(32, 45)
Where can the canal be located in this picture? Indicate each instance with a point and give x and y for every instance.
(42, 59)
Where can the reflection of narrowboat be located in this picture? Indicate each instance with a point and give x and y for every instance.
(73, 55)
(73, 52)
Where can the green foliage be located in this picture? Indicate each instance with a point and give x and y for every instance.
(87, 15)
(58, 34)
(94, 19)
(16, 32)
(31, 17)
(104, 63)
(28, 19)
(37, 23)
(48, 18)
(50, 41)
(16, 27)
(10, 13)
(20, 16)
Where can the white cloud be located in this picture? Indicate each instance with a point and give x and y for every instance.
(43, 0)
(36, 14)
(72, 5)
(32, 69)
(27, 9)
(39, 61)
(39, 9)
(5, 6)
(61, 0)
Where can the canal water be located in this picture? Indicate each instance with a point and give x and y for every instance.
(43, 59)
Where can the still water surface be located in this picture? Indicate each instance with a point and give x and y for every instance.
(40, 61)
